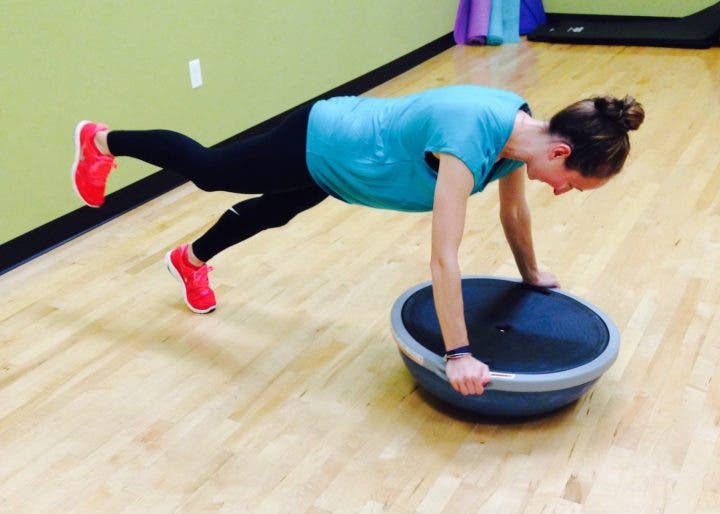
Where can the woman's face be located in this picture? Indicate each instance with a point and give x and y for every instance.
(561, 179)
(549, 167)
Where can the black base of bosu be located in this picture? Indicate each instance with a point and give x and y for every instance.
(698, 30)
(545, 348)
(496, 402)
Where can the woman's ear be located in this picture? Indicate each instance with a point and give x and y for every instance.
(560, 150)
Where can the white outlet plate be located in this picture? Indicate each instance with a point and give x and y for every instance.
(195, 73)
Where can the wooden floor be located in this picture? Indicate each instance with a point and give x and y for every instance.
(291, 397)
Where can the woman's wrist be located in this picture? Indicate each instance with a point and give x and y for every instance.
(457, 353)
(530, 276)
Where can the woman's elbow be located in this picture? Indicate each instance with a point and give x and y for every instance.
(514, 216)
(442, 264)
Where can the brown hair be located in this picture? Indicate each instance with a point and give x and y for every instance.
(597, 130)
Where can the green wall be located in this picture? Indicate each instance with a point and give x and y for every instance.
(126, 63)
(628, 7)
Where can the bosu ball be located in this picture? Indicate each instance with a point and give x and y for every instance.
(545, 347)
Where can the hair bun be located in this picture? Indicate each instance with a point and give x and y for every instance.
(627, 112)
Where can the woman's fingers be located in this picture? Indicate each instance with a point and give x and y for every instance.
(468, 375)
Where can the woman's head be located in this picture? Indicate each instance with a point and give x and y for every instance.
(596, 129)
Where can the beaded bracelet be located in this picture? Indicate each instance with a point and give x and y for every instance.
(456, 353)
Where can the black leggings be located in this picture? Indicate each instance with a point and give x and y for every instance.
(272, 165)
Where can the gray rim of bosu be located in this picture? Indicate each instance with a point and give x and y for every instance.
(516, 382)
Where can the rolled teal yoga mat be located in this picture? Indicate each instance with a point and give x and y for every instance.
(504, 26)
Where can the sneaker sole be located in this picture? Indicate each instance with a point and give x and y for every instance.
(174, 273)
(73, 169)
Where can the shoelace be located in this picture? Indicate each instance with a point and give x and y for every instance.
(199, 278)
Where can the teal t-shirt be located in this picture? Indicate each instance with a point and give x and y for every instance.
(371, 151)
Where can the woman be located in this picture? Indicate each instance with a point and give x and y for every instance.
(424, 152)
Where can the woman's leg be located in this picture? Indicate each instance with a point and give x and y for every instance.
(249, 217)
(267, 163)
(187, 262)
(272, 164)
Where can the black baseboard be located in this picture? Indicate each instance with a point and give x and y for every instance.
(58, 231)
(698, 30)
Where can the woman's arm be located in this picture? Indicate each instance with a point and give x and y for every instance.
(515, 219)
(454, 185)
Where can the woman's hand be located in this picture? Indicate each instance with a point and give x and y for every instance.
(542, 279)
(467, 375)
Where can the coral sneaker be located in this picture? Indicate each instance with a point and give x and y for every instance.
(194, 281)
(91, 168)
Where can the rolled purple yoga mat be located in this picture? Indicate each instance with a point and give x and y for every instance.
(472, 21)
(478, 21)
(461, 22)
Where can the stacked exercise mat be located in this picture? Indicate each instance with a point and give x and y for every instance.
(697, 30)
(494, 22)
